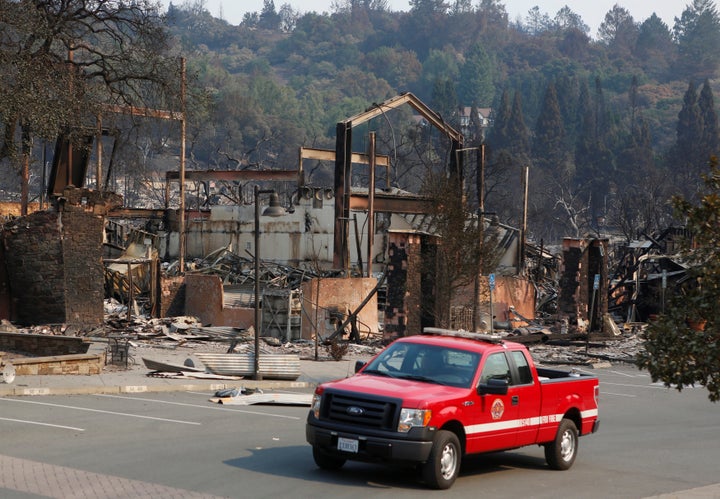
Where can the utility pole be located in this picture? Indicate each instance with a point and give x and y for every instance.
(183, 127)
(480, 186)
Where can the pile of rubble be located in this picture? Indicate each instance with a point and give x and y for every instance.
(187, 332)
(236, 269)
(622, 349)
(175, 332)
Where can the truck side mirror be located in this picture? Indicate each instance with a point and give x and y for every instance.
(359, 364)
(494, 386)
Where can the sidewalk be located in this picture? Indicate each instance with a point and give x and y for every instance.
(135, 379)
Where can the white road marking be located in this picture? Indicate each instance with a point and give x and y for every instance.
(628, 384)
(213, 407)
(25, 421)
(618, 394)
(101, 411)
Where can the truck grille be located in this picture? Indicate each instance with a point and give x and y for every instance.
(377, 413)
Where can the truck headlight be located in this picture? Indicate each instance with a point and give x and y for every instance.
(413, 417)
(315, 405)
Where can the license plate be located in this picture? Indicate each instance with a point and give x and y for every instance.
(347, 444)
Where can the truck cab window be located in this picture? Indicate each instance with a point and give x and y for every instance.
(496, 367)
(391, 360)
(525, 376)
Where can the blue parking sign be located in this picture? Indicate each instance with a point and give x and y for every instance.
(491, 281)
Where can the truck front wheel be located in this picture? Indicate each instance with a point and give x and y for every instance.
(327, 461)
(560, 454)
(443, 465)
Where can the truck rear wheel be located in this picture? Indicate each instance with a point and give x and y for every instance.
(327, 461)
(560, 454)
(443, 465)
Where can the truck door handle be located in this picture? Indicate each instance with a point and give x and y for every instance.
(515, 400)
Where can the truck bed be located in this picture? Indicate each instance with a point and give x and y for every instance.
(547, 374)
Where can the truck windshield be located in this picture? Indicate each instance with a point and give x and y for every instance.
(428, 363)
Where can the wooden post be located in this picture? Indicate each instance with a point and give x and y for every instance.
(99, 153)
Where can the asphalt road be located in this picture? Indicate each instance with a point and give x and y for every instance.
(651, 441)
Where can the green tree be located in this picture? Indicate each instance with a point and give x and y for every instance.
(549, 150)
(425, 26)
(460, 7)
(686, 157)
(676, 352)
(498, 138)
(507, 164)
(345, 6)
(552, 165)
(424, 7)
(537, 22)
(566, 19)
(493, 15)
(595, 162)
(567, 90)
(269, 18)
(250, 19)
(709, 141)
(632, 201)
(655, 49)
(619, 31)
(502, 167)
(444, 100)
(697, 33)
(517, 131)
(439, 65)
(476, 77)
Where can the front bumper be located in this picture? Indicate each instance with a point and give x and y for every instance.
(372, 447)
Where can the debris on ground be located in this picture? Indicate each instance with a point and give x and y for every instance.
(274, 398)
(146, 336)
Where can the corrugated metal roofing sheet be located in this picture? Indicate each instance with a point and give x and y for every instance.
(272, 366)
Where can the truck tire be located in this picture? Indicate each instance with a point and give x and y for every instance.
(443, 465)
(560, 453)
(327, 461)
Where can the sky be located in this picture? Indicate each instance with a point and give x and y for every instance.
(592, 11)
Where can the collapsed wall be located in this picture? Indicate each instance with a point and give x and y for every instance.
(53, 262)
(54, 267)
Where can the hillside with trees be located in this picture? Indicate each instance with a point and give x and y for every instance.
(610, 127)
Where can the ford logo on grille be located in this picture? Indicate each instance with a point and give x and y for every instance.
(355, 411)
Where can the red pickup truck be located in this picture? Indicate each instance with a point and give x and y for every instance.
(430, 399)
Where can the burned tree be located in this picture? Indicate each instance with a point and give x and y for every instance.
(464, 248)
(63, 63)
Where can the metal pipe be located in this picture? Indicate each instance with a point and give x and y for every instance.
(271, 211)
(183, 129)
(258, 320)
(371, 206)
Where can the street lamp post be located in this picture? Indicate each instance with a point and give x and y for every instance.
(273, 210)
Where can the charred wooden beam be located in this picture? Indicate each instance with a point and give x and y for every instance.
(235, 175)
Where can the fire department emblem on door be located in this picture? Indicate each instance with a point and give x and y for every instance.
(497, 409)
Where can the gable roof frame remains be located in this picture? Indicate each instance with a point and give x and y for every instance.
(343, 162)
